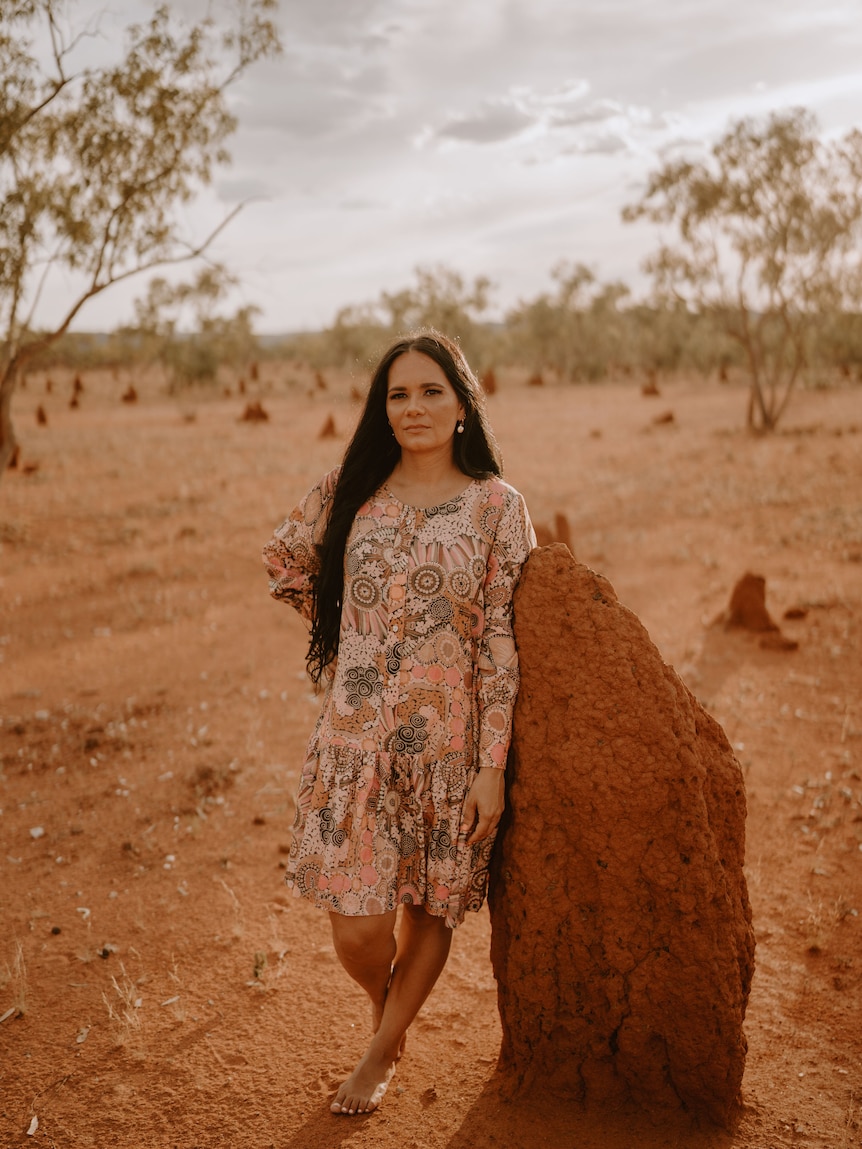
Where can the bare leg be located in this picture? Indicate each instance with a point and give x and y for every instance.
(366, 949)
(422, 949)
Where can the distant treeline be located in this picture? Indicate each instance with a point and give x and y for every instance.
(584, 345)
(582, 331)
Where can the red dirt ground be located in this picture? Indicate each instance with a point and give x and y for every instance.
(158, 985)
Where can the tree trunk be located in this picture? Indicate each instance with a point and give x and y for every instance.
(8, 442)
(758, 418)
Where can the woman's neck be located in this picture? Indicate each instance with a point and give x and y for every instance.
(426, 479)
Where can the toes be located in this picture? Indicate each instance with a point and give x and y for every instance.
(346, 1105)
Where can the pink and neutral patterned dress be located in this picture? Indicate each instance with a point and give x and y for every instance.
(420, 696)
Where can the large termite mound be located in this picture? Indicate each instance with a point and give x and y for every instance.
(622, 941)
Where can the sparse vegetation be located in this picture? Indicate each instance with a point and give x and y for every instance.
(768, 231)
(94, 160)
(13, 979)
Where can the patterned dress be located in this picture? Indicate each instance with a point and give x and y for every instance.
(420, 696)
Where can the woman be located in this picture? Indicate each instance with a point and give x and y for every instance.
(404, 560)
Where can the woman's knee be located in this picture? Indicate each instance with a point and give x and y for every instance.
(362, 938)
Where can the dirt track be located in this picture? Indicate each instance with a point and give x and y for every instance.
(165, 989)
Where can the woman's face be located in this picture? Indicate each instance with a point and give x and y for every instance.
(421, 404)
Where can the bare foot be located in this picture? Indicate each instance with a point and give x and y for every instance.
(364, 1089)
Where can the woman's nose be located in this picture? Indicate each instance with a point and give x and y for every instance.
(414, 403)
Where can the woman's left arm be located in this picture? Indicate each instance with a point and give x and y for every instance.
(497, 666)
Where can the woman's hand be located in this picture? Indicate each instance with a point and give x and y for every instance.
(485, 802)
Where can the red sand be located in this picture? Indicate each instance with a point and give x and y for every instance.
(154, 711)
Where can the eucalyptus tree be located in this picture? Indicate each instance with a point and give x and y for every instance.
(577, 330)
(440, 297)
(767, 240)
(96, 159)
(178, 326)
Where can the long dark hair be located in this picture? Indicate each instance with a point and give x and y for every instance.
(369, 461)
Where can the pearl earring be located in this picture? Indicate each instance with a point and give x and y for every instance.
(459, 426)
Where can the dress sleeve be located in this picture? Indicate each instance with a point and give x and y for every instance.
(291, 557)
(497, 663)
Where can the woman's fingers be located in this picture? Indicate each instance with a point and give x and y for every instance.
(468, 815)
(485, 826)
(484, 805)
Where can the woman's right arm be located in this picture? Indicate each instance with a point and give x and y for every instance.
(291, 557)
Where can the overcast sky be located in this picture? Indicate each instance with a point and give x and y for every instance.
(497, 138)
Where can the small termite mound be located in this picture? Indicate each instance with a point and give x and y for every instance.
(561, 532)
(489, 382)
(747, 611)
(328, 431)
(254, 413)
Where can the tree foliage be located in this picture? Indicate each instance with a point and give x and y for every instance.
(767, 241)
(94, 162)
(576, 330)
(178, 326)
(440, 297)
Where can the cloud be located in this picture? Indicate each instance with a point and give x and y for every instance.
(561, 121)
(495, 120)
(607, 145)
(594, 113)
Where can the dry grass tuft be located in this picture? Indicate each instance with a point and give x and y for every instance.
(14, 978)
(123, 1007)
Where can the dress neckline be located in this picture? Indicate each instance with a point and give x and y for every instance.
(432, 506)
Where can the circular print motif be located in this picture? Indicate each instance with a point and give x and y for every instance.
(328, 832)
(407, 845)
(441, 610)
(488, 521)
(410, 737)
(306, 877)
(394, 657)
(391, 802)
(428, 580)
(365, 593)
(446, 649)
(360, 683)
(460, 583)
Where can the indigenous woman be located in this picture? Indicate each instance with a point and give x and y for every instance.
(404, 561)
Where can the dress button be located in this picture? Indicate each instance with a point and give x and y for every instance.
(395, 626)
